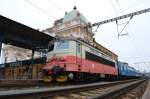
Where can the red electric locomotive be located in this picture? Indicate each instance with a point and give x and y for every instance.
(74, 59)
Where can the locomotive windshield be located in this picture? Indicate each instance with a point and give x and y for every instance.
(62, 45)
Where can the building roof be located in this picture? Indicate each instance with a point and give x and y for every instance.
(74, 14)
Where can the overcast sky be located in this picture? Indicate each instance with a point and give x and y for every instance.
(135, 47)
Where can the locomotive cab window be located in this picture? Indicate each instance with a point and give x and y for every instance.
(62, 45)
(51, 48)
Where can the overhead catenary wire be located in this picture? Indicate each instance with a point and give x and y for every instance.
(58, 7)
(115, 10)
(125, 9)
(135, 48)
(127, 23)
(141, 64)
(122, 17)
(42, 10)
(118, 4)
(119, 18)
(136, 3)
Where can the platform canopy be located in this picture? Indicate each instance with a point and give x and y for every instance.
(17, 34)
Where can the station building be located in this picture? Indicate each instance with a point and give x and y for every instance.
(74, 24)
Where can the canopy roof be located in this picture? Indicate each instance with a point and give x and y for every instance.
(17, 34)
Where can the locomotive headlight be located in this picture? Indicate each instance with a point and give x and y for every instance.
(70, 76)
(62, 58)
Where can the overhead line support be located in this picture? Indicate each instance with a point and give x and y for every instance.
(122, 17)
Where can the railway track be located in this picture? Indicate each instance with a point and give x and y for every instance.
(34, 84)
(135, 93)
(95, 91)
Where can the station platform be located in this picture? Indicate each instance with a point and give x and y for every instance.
(147, 92)
(20, 82)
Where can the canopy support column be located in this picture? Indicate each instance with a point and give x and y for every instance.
(0, 48)
(32, 58)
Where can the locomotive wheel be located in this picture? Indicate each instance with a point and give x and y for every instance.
(47, 79)
(80, 77)
(61, 78)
